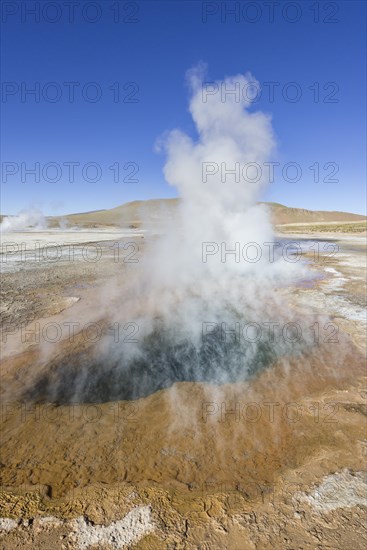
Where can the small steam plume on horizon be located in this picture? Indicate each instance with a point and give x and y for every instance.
(32, 218)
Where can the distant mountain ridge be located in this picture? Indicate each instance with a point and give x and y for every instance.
(156, 210)
(285, 214)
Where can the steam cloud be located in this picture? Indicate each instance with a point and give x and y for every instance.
(172, 294)
(26, 219)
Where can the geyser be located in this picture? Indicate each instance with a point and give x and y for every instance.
(173, 292)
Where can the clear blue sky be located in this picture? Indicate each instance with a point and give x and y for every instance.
(154, 52)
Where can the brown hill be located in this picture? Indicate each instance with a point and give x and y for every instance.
(155, 210)
(284, 214)
(125, 215)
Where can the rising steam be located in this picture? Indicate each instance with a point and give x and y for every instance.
(184, 308)
(180, 295)
(31, 218)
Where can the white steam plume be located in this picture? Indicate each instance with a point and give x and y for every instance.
(32, 218)
(173, 291)
(172, 294)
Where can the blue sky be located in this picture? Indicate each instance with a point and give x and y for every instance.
(147, 52)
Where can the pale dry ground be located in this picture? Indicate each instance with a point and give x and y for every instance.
(172, 470)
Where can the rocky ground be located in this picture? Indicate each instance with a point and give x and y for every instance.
(274, 463)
